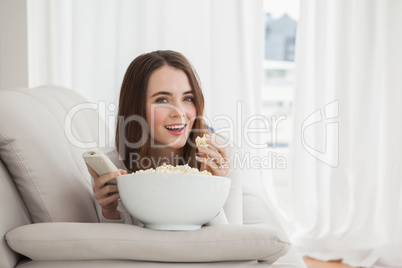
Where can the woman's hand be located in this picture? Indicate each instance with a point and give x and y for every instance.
(215, 162)
(107, 195)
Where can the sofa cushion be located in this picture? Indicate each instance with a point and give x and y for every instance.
(95, 241)
(9, 219)
(45, 164)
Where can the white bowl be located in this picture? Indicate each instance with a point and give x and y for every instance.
(173, 201)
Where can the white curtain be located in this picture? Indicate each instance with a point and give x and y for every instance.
(347, 183)
(87, 45)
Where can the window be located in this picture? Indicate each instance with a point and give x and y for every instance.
(277, 100)
(280, 35)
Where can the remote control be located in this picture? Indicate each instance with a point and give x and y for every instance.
(100, 163)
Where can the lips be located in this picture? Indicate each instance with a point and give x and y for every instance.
(176, 129)
(175, 126)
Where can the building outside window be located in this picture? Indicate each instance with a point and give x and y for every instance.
(280, 36)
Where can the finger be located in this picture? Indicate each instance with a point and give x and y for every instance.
(218, 158)
(107, 190)
(122, 171)
(102, 180)
(215, 168)
(203, 167)
(220, 147)
(200, 153)
(103, 202)
(212, 154)
(208, 162)
(91, 171)
(109, 176)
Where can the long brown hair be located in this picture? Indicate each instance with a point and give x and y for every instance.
(132, 107)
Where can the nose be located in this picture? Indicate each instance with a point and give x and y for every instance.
(177, 111)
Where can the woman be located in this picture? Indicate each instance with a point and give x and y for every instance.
(160, 116)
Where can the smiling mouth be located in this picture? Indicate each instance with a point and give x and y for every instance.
(176, 128)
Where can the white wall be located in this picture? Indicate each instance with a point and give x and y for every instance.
(13, 44)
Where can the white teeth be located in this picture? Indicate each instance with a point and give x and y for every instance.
(175, 127)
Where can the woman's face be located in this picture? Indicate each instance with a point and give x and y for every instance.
(170, 107)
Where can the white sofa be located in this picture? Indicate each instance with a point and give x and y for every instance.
(47, 212)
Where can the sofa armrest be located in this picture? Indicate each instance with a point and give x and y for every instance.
(101, 241)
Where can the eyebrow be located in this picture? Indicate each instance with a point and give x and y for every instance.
(169, 93)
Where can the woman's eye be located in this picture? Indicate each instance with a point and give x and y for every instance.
(190, 99)
(161, 100)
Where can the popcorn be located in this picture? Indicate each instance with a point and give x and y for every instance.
(184, 169)
(202, 142)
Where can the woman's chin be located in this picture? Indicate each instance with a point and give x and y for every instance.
(178, 145)
(174, 143)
